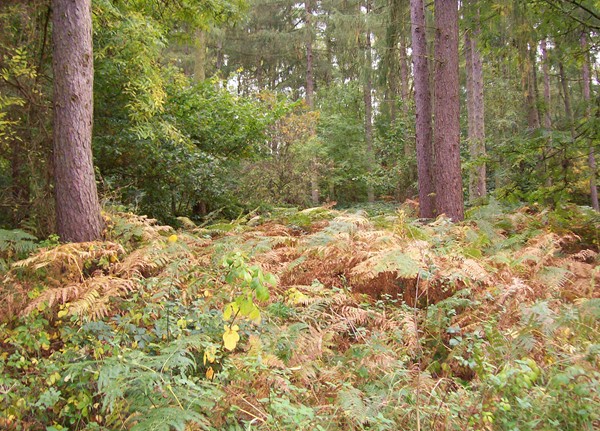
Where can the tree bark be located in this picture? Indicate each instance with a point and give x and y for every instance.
(423, 110)
(448, 178)
(77, 207)
(585, 74)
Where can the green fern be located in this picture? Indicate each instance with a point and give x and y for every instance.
(16, 243)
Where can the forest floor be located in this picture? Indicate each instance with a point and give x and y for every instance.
(307, 320)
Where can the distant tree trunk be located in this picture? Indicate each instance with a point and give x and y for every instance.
(587, 97)
(570, 119)
(547, 116)
(404, 74)
(77, 207)
(391, 58)
(546, 77)
(533, 115)
(477, 174)
(368, 99)
(448, 178)
(200, 56)
(219, 55)
(423, 110)
(315, 193)
(310, 84)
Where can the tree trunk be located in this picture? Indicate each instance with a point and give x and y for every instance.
(200, 56)
(547, 116)
(546, 77)
(570, 119)
(310, 84)
(533, 116)
(448, 178)
(77, 207)
(423, 110)
(477, 176)
(585, 73)
(368, 99)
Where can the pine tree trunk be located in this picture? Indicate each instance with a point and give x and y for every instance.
(448, 178)
(310, 84)
(423, 110)
(368, 100)
(546, 77)
(477, 185)
(587, 98)
(77, 207)
(570, 119)
(547, 116)
(533, 116)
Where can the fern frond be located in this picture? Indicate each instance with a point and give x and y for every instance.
(70, 259)
(393, 261)
(553, 277)
(352, 404)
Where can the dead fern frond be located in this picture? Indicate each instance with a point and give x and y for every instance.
(69, 260)
(517, 289)
(586, 255)
(89, 300)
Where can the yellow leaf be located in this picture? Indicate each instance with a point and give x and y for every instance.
(210, 354)
(230, 337)
(172, 238)
(62, 313)
(210, 373)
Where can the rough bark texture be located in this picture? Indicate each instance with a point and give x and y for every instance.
(585, 74)
(448, 179)
(423, 109)
(77, 208)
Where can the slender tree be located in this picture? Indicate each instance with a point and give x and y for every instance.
(585, 72)
(448, 179)
(423, 109)
(77, 207)
(475, 109)
(368, 100)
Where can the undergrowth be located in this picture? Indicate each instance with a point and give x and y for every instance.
(306, 320)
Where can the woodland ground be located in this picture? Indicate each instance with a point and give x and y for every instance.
(316, 319)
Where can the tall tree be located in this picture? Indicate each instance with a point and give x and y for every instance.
(368, 99)
(77, 207)
(585, 74)
(448, 179)
(423, 109)
(475, 109)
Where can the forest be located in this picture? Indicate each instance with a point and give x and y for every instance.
(299, 215)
